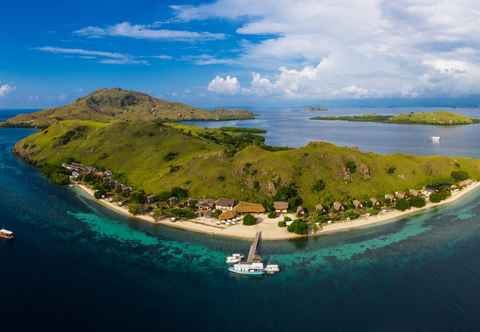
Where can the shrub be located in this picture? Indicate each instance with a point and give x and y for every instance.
(402, 205)
(318, 186)
(418, 201)
(282, 224)
(391, 170)
(460, 175)
(351, 166)
(134, 209)
(286, 218)
(99, 193)
(221, 178)
(439, 196)
(298, 227)
(163, 196)
(440, 185)
(272, 215)
(351, 214)
(170, 156)
(249, 220)
(181, 213)
(373, 211)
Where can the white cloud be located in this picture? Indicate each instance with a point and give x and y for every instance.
(6, 89)
(227, 86)
(206, 59)
(101, 56)
(128, 30)
(356, 48)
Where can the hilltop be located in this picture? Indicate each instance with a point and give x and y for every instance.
(154, 157)
(105, 105)
(441, 118)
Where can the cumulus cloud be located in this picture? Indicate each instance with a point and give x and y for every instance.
(136, 31)
(101, 56)
(6, 89)
(356, 48)
(228, 85)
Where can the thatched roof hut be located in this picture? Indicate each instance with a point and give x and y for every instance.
(319, 207)
(374, 201)
(389, 197)
(227, 215)
(280, 206)
(357, 204)
(300, 211)
(247, 207)
(337, 206)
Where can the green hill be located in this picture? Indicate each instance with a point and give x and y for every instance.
(441, 118)
(111, 104)
(229, 163)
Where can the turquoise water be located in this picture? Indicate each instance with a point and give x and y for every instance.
(76, 266)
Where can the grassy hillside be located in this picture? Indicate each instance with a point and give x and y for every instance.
(220, 163)
(440, 118)
(109, 104)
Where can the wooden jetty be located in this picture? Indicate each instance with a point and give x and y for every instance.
(252, 253)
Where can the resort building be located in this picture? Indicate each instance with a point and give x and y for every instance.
(205, 206)
(247, 207)
(357, 204)
(225, 204)
(280, 207)
(227, 215)
(337, 206)
(300, 211)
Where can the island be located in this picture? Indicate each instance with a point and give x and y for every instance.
(229, 182)
(105, 105)
(316, 109)
(440, 118)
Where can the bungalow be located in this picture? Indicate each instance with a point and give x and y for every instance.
(400, 195)
(150, 199)
(225, 204)
(227, 215)
(357, 204)
(413, 192)
(172, 201)
(204, 206)
(247, 207)
(465, 183)
(389, 198)
(337, 206)
(300, 211)
(280, 207)
(319, 208)
(375, 202)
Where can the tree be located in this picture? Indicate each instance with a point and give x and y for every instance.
(249, 220)
(272, 214)
(298, 227)
(391, 170)
(138, 197)
(402, 205)
(282, 223)
(460, 176)
(318, 186)
(351, 166)
(134, 209)
(99, 193)
(439, 196)
(180, 193)
(417, 201)
(181, 213)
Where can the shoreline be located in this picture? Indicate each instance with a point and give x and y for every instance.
(269, 227)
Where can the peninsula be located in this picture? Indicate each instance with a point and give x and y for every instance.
(227, 181)
(440, 118)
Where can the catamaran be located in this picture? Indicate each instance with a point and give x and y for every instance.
(6, 234)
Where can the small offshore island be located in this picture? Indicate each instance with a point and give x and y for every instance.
(439, 118)
(140, 161)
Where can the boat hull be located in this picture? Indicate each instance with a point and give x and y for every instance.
(247, 273)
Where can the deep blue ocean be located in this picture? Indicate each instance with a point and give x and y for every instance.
(78, 267)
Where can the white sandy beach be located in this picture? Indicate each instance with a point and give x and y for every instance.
(269, 228)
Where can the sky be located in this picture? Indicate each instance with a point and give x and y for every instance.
(241, 52)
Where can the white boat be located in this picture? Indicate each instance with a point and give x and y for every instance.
(6, 234)
(272, 268)
(234, 259)
(436, 139)
(252, 269)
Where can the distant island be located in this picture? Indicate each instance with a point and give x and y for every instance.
(439, 118)
(207, 179)
(316, 109)
(105, 105)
